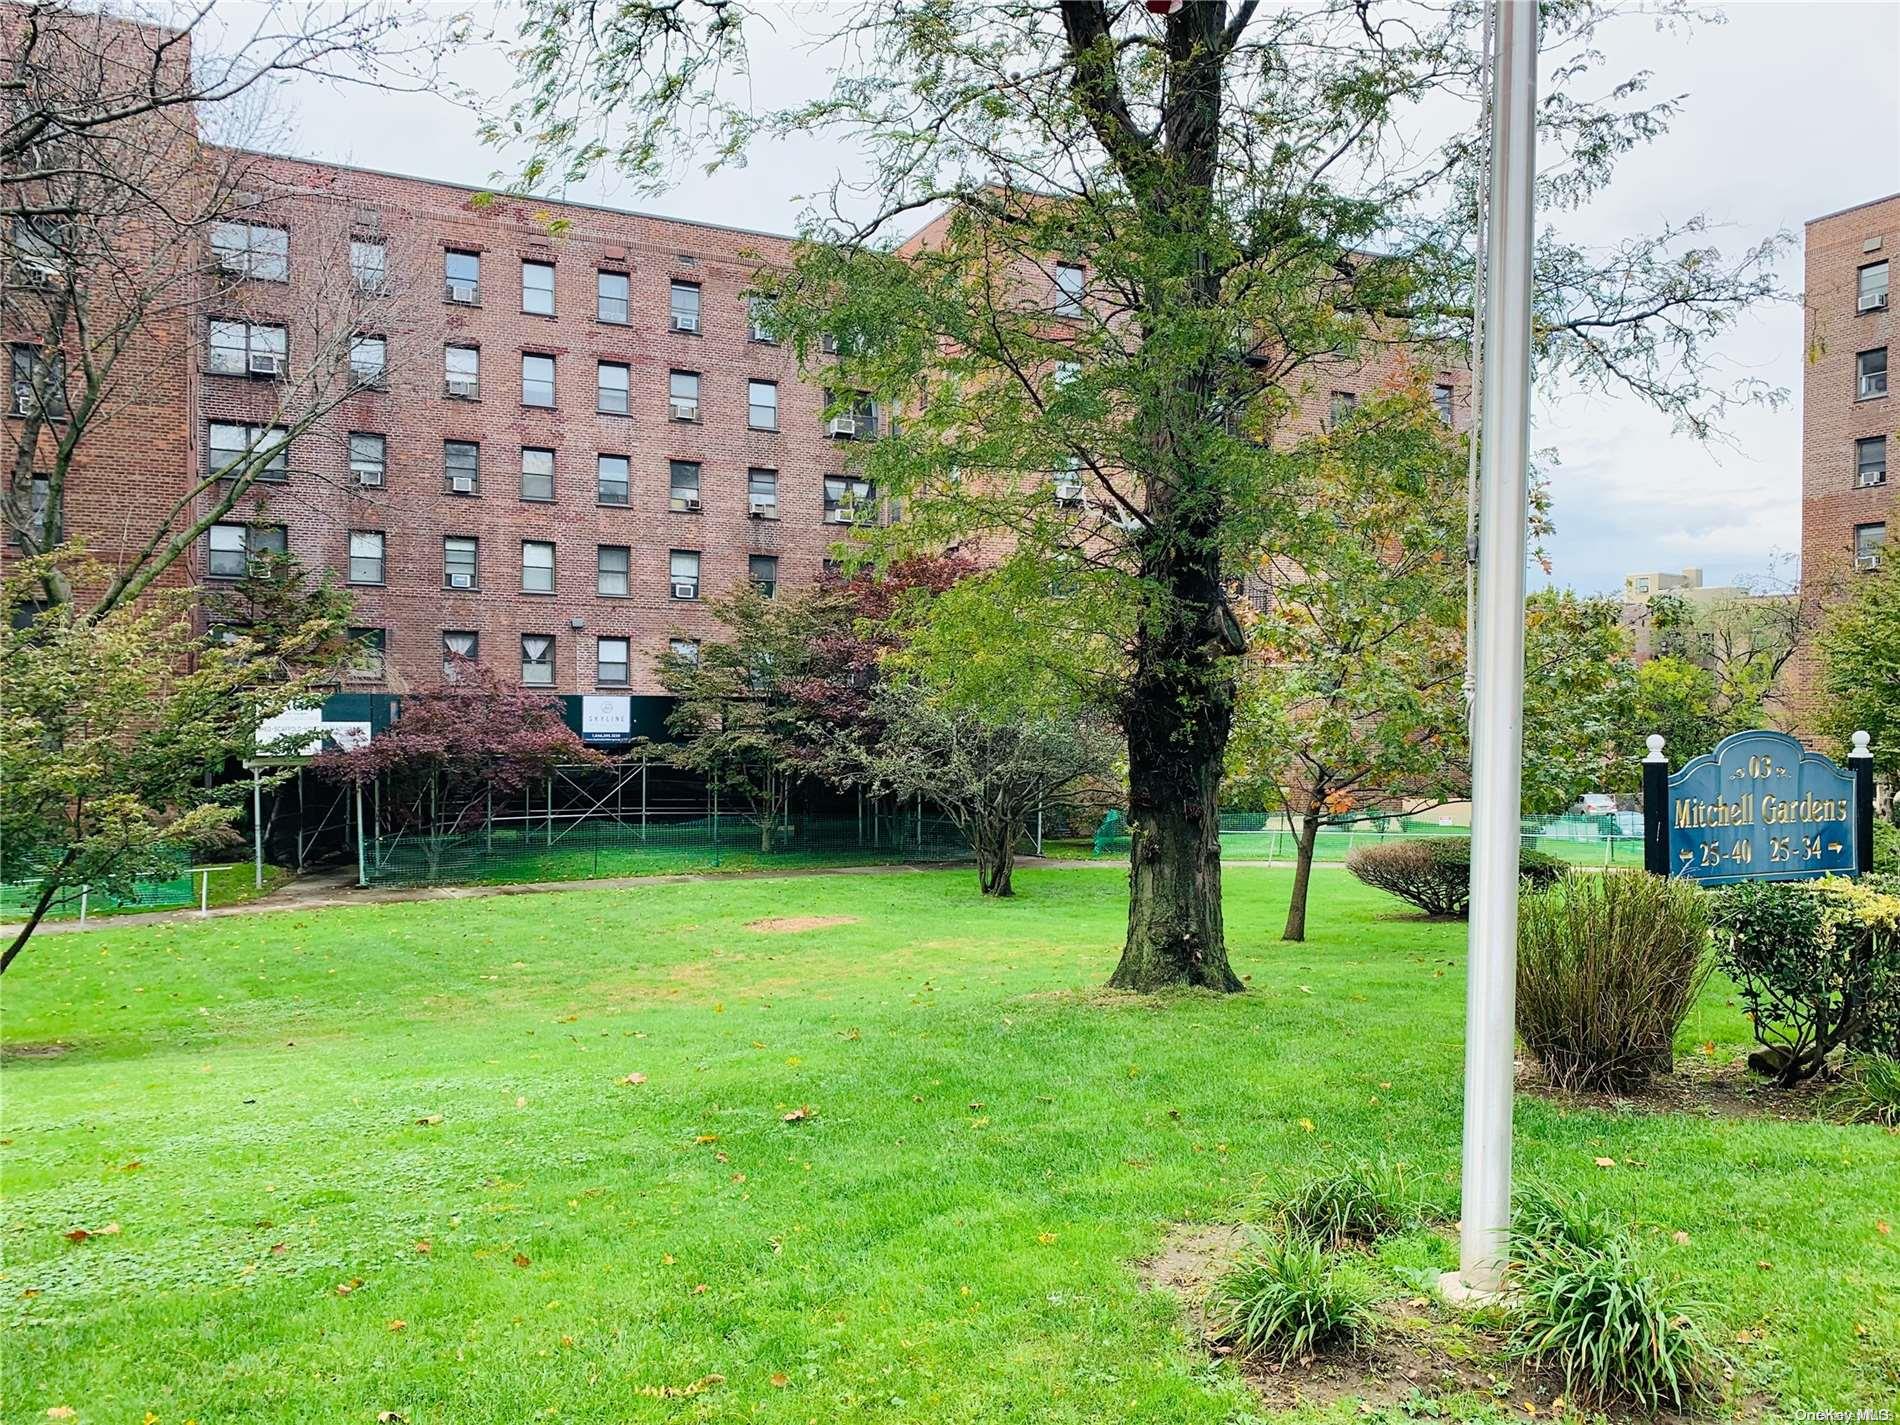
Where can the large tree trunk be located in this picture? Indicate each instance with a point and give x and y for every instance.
(1302, 876)
(1177, 740)
(995, 847)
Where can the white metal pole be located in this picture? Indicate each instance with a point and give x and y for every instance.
(257, 824)
(204, 893)
(1498, 713)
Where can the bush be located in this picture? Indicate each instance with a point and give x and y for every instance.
(1543, 1215)
(1608, 966)
(1356, 1202)
(1617, 1330)
(1290, 1299)
(1869, 1091)
(1886, 847)
(1817, 964)
(1434, 872)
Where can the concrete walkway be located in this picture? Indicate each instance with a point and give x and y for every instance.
(327, 890)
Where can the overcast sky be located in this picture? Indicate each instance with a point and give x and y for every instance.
(1792, 110)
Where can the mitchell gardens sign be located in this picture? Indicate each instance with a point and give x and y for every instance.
(1759, 807)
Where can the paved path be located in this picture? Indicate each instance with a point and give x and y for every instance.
(326, 890)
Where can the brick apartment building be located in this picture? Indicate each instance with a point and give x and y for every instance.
(563, 430)
(1848, 423)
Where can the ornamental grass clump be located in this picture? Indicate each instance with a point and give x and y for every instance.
(1351, 1204)
(1434, 872)
(1290, 1299)
(1608, 966)
(1869, 1091)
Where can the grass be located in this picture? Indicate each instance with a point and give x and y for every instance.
(273, 1108)
(1288, 1298)
(232, 884)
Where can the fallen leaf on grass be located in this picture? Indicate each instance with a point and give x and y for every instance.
(429, 1120)
(345, 1288)
(391, 1417)
(78, 1234)
(1883, 1229)
(780, 1380)
(111, 1229)
(1045, 1238)
(398, 1324)
(800, 1114)
(1307, 1124)
(1681, 1238)
(701, 1289)
(424, 1248)
(60, 1412)
(521, 1259)
(1606, 1162)
(674, 1392)
(634, 1079)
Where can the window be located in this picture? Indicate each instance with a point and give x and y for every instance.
(611, 479)
(40, 250)
(462, 372)
(1867, 541)
(759, 312)
(537, 566)
(683, 486)
(537, 659)
(1342, 406)
(369, 360)
(1870, 461)
(1870, 372)
(252, 250)
(369, 457)
(234, 547)
(610, 661)
(537, 380)
(611, 389)
(1441, 399)
(248, 348)
(1070, 280)
(762, 572)
(611, 563)
(537, 473)
(845, 498)
(1871, 288)
(683, 390)
(366, 556)
(537, 288)
(231, 445)
(368, 648)
(462, 277)
(462, 467)
(1066, 372)
(461, 562)
(38, 382)
(762, 493)
(857, 420)
(39, 492)
(369, 263)
(762, 405)
(684, 649)
(683, 568)
(610, 297)
(682, 307)
(459, 646)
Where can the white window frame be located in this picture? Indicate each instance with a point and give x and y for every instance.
(624, 663)
(544, 662)
(605, 574)
(624, 480)
(683, 306)
(680, 406)
(537, 451)
(532, 568)
(683, 568)
(361, 558)
(247, 256)
(613, 388)
(761, 414)
(534, 386)
(605, 303)
(535, 265)
(461, 554)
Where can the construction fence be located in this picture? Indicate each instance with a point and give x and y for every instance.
(1613, 839)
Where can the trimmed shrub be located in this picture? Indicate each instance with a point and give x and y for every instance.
(1434, 872)
(1617, 1330)
(1817, 965)
(1608, 966)
(1289, 1299)
(1353, 1203)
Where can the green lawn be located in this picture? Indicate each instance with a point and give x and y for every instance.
(271, 1107)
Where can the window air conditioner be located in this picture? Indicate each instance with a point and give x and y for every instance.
(464, 388)
(684, 323)
(685, 411)
(763, 509)
(461, 581)
(692, 504)
(843, 427)
(462, 484)
(842, 515)
(366, 475)
(683, 590)
(462, 293)
(1866, 561)
(1068, 492)
(264, 363)
(1872, 301)
(1868, 479)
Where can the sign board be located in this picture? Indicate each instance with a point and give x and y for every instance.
(303, 732)
(1760, 808)
(606, 720)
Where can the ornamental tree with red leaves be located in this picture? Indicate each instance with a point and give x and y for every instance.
(453, 746)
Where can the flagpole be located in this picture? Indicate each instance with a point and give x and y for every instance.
(1498, 711)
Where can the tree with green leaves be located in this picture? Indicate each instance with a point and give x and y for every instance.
(1859, 672)
(112, 728)
(1153, 234)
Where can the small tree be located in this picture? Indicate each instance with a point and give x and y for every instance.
(112, 727)
(1859, 680)
(454, 746)
(991, 774)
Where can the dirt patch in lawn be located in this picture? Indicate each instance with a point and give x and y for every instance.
(41, 1049)
(792, 924)
(1699, 1085)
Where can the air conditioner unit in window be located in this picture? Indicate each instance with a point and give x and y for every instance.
(35, 274)
(684, 412)
(25, 403)
(1873, 301)
(463, 294)
(685, 323)
(1068, 492)
(461, 581)
(462, 484)
(1867, 479)
(464, 388)
(264, 363)
(843, 427)
(691, 504)
(682, 590)
(1866, 561)
(368, 475)
(764, 509)
(844, 514)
